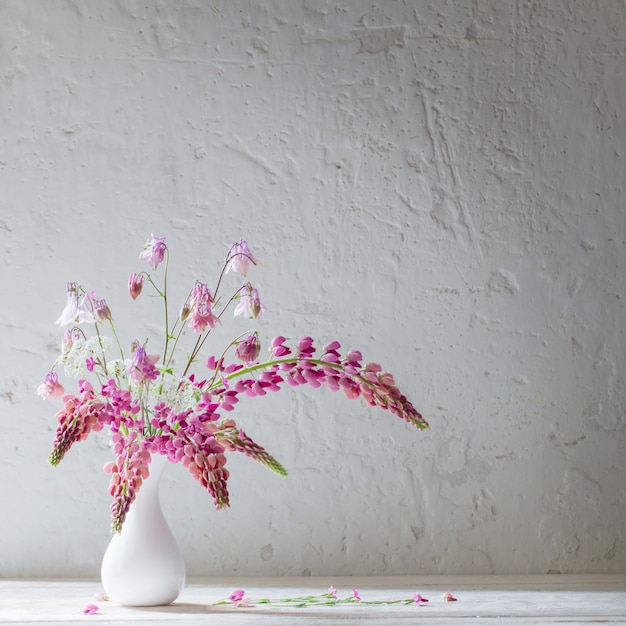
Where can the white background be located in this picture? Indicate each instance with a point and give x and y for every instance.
(439, 184)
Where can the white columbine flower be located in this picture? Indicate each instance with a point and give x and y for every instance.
(75, 311)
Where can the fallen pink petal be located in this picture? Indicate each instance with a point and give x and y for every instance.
(91, 609)
(237, 595)
(448, 597)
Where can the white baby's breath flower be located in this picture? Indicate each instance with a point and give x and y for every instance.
(168, 389)
(74, 360)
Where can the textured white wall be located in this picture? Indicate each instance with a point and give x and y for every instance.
(439, 183)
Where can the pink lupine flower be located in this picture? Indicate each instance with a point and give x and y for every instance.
(128, 472)
(142, 367)
(418, 599)
(240, 259)
(51, 387)
(448, 597)
(154, 251)
(76, 310)
(135, 285)
(91, 609)
(277, 348)
(250, 304)
(90, 364)
(357, 597)
(213, 364)
(248, 350)
(80, 416)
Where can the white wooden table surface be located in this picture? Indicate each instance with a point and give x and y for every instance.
(491, 600)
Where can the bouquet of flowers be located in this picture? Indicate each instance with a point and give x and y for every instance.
(151, 407)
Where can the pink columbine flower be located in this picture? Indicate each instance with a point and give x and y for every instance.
(240, 259)
(142, 367)
(250, 304)
(418, 599)
(248, 350)
(198, 309)
(76, 310)
(332, 592)
(91, 609)
(70, 337)
(154, 251)
(51, 387)
(357, 597)
(202, 317)
(101, 310)
(448, 597)
(135, 285)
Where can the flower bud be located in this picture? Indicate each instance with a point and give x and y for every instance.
(184, 312)
(248, 350)
(135, 285)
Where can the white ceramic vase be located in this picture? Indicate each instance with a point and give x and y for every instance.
(143, 565)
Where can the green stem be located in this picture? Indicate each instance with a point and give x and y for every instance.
(164, 294)
(117, 340)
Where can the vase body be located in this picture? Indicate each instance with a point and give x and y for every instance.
(143, 565)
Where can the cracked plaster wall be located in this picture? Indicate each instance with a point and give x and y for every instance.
(437, 183)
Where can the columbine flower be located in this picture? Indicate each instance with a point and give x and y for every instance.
(154, 251)
(240, 259)
(448, 597)
(70, 336)
(101, 310)
(76, 310)
(250, 304)
(135, 285)
(332, 592)
(199, 310)
(141, 367)
(90, 609)
(357, 597)
(418, 599)
(51, 387)
(248, 350)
